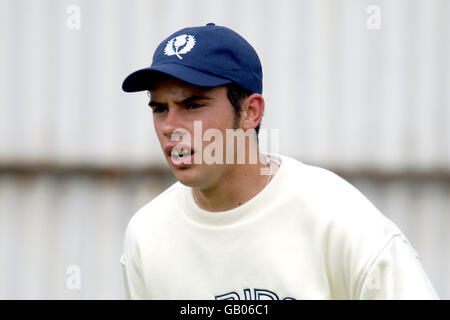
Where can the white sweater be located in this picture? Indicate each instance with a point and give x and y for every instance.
(307, 235)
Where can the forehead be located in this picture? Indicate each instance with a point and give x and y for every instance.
(168, 86)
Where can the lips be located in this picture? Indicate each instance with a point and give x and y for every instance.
(180, 155)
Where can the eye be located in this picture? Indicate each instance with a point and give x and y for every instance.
(159, 109)
(193, 106)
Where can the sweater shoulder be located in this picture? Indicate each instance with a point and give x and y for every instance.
(333, 201)
(157, 209)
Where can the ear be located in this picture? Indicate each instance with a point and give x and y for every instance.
(252, 111)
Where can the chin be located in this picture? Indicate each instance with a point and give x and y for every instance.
(186, 176)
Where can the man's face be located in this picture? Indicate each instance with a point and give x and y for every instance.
(176, 105)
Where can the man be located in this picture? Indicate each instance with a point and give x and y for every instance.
(239, 224)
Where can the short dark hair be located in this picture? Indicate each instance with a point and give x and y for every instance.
(236, 94)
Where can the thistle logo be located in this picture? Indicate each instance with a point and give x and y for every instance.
(179, 45)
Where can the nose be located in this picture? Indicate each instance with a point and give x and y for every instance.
(172, 124)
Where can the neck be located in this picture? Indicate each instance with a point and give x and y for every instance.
(239, 185)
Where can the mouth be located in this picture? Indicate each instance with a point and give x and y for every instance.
(180, 155)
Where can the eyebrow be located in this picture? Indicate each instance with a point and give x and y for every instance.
(188, 100)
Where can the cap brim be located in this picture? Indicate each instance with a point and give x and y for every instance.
(145, 79)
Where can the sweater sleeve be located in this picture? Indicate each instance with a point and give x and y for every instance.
(130, 260)
(397, 274)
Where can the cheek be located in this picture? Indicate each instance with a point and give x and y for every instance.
(158, 130)
(223, 118)
(221, 123)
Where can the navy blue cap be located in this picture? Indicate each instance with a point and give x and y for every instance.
(206, 56)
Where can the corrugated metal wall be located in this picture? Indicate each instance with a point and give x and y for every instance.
(78, 156)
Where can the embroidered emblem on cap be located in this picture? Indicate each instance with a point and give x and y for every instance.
(179, 45)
